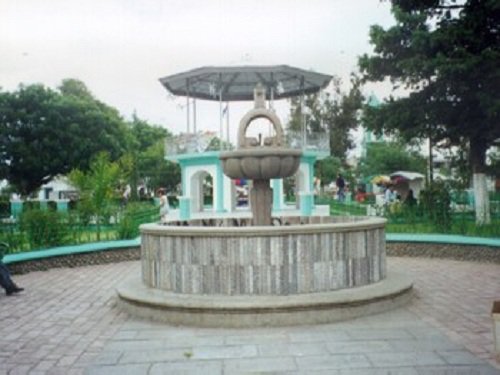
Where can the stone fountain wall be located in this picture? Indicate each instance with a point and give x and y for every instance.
(213, 257)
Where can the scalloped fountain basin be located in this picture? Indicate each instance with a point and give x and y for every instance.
(260, 163)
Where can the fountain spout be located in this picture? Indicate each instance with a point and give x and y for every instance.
(260, 160)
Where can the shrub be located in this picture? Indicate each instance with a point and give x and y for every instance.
(31, 205)
(435, 201)
(4, 208)
(133, 216)
(43, 228)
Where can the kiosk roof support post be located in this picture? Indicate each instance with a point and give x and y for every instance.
(187, 108)
(227, 124)
(221, 125)
(194, 116)
(303, 114)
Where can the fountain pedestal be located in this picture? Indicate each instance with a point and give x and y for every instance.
(261, 198)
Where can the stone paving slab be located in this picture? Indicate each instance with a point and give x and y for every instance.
(67, 323)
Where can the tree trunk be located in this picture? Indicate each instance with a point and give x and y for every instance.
(481, 197)
(431, 162)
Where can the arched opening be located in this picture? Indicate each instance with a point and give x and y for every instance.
(260, 129)
(202, 191)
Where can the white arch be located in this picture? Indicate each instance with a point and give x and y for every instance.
(196, 189)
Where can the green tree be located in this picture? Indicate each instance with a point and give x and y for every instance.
(389, 157)
(445, 53)
(44, 133)
(98, 188)
(327, 169)
(335, 113)
(158, 172)
(341, 117)
(145, 134)
(144, 161)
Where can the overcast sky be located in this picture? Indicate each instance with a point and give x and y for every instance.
(119, 48)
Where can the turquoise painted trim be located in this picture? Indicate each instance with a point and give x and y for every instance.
(16, 207)
(306, 204)
(277, 194)
(44, 205)
(220, 187)
(190, 160)
(442, 238)
(121, 244)
(318, 155)
(197, 159)
(183, 181)
(62, 206)
(68, 250)
(184, 208)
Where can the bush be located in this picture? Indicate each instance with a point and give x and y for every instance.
(133, 216)
(31, 205)
(435, 201)
(43, 228)
(4, 208)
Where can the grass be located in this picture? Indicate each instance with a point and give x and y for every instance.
(458, 227)
(408, 222)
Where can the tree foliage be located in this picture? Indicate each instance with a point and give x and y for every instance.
(388, 157)
(327, 169)
(44, 133)
(136, 162)
(335, 113)
(98, 188)
(446, 54)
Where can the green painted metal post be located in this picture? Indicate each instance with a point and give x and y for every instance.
(16, 207)
(62, 205)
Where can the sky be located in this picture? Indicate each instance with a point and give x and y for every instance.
(120, 48)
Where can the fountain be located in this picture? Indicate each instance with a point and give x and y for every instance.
(233, 271)
(260, 159)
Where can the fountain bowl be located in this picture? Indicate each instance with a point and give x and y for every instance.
(260, 163)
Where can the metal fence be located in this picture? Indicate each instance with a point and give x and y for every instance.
(44, 228)
(191, 143)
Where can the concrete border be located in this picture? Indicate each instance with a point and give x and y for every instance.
(256, 311)
(352, 223)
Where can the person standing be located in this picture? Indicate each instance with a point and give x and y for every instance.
(340, 182)
(164, 206)
(389, 195)
(410, 200)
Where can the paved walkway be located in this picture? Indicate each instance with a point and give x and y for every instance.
(67, 323)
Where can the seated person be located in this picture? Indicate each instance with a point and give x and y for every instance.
(5, 279)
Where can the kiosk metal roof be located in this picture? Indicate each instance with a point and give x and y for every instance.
(236, 83)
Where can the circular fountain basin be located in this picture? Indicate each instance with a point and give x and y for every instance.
(302, 270)
(260, 163)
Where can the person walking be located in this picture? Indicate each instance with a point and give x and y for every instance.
(340, 182)
(5, 278)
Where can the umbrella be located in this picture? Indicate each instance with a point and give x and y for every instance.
(238, 82)
(381, 180)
